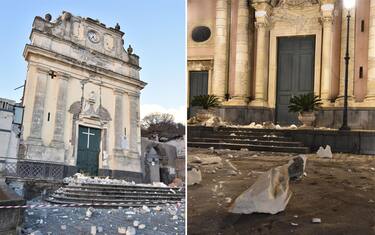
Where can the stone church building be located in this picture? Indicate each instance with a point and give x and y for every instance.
(256, 54)
(81, 99)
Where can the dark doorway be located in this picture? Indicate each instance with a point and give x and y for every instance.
(295, 73)
(198, 85)
(88, 150)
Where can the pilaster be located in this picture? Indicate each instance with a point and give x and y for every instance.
(327, 23)
(58, 134)
(221, 50)
(242, 82)
(118, 120)
(262, 24)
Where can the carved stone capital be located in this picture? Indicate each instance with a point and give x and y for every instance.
(117, 91)
(63, 76)
(43, 70)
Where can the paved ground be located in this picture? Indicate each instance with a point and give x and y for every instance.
(340, 191)
(169, 220)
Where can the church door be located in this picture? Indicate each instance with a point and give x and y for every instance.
(198, 84)
(295, 73)
(88, 150)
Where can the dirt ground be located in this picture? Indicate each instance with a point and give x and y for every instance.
(340, 191)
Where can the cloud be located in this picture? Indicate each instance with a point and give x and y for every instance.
(178, 113)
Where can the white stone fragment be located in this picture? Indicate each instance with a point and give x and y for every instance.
(135, 223)
(293, 224)
(157, 208)
(293, 126)
(324, 152)
(175, 217)
(100, 229)
(194, 176)
(63, 227)
(89, 212)
(269, 194)
(145, 209)
(121, 230)
(93, 230)
(142, 226)
(130, 230)
(316, 220)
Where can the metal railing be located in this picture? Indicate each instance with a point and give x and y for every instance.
(26, 168)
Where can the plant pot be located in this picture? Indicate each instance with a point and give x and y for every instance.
(204, 114)
(307, 118)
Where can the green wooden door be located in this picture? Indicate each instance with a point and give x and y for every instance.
(88, 150)
(295, 73)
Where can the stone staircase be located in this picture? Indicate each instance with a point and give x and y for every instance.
(116, 195)
(245, 138)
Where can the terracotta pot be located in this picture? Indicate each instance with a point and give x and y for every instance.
(204, 114)
(307, 118)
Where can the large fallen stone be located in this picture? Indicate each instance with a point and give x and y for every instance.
(194, 176)
(324, 152)
(269, 194)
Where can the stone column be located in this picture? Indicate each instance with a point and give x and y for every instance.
(119, 117)
(327, 21)
(263, 10)
(38, 109)
(370, 97)
(58, 134)
(242, 82)
(221, 50)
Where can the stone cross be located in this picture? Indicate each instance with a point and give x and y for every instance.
(52, 74)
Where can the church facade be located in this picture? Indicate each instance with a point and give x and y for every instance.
(255, 55)
(81, 98)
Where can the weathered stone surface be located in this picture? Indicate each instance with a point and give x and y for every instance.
(269, 194)
(297, 167)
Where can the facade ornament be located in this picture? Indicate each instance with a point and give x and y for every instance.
(130, 50)
(48, 17)
(117, 27)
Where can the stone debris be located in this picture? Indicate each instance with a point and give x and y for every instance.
(293, 126)
(269, 194)
(79, 178)
(135, 223)
(89, 212)
(316, 220)
(63, 227)
(194, 176)
(145, 209)
(297, 167)
(100, 229)
(232, 134)
(141, 226)
(228, 200)
(324, 152)
(121, 230)
(294, 224)
(93, 230)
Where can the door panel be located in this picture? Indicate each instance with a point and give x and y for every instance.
(88, 150)
(198, 85)
(295, 73)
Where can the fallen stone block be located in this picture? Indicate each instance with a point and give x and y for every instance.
(324, 152)
(297, 167)
(269, 194)
(194, 176)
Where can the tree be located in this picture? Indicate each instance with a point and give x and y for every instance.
(163, 125)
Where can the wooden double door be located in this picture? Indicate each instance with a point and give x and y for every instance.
(295, 73)
(88, 150)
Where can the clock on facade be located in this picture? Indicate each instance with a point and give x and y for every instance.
(93, 36)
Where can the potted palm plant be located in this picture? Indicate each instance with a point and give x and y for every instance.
(305, 105)
(206, 102)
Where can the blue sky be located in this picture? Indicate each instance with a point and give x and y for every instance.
(154, 28)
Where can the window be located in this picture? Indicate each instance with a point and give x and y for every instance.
(201, 34)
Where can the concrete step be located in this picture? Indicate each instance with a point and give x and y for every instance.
(121, 192)
(113, 205)
(118, 196)
(250, 147)
(248, 141)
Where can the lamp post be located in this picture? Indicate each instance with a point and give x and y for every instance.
(348, 4)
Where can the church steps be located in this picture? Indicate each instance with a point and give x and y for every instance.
(115, 205)
(82, 195)
(110, 192)
(247, 141)
(250, 147)
(263, 137)
(99, 200)
(122, 187)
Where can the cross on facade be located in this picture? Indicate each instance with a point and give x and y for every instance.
(88, 133)
(52, 74)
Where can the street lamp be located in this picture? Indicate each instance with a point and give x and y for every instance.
(348, 5)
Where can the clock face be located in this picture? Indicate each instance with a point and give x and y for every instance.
(93, 36)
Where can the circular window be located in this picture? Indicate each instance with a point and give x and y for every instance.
(201, 33)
